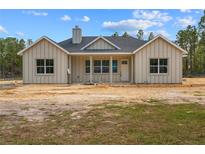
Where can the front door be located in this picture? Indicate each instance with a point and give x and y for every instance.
(124, 70)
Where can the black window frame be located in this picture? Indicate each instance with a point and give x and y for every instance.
(114, 67)
(158, 67)
(47, 66)
(87, 68)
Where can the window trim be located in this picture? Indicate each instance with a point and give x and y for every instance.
(45, 66)
(158, 66)
(97, 66)
(103, 66)
(116, 66)
(87, 66)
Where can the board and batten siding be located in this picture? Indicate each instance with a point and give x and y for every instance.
(100, 44)
(158, 49)
(80, 76)
(45, 50)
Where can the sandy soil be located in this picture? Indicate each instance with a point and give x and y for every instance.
(36, 102)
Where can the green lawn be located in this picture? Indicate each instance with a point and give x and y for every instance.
(157, 123)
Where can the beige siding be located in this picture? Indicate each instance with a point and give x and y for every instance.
(45, 50)
(78, 69)
(100, 44)
(158, 49)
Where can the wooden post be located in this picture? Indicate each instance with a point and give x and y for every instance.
(132, 69)
(110, 69)
(91, 70)
(70, 63)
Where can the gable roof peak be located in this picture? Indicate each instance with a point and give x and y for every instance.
(37, 41)
(100, 37)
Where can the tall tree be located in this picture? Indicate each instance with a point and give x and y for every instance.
(125, 34)
(115, 34)
(201, 46)
(140, 34)
(188, 39)
(151, 36)
(9, 60)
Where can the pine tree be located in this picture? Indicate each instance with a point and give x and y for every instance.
(140, 34)
(151, 36)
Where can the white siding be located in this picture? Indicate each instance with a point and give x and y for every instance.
(78, 69)
(100, 44)
(158, 49)
(45, 50)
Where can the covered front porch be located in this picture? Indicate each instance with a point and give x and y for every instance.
(101, 68)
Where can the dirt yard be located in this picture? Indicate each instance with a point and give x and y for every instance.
(36, 103)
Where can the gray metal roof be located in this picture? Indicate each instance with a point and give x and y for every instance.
(126, 44)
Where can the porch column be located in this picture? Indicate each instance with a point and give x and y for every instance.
(91, 69)
(110, 69)
(132, 69)
(70, 68)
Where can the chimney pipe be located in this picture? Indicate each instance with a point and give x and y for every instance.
(76, 35)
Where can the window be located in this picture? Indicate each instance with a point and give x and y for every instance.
(114, 66)
(124, 62)
(40, 66)
(97, 66)
(49, 66)
(87, 66)
(153, 65)
(158, 65)
(105, 66)
(163, 66)
(45, 66)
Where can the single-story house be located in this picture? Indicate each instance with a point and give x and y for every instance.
(102, 59)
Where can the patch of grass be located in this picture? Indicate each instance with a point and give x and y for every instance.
(114, 124)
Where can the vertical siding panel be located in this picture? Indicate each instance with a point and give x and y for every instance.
(169, 64)
(144, 70)
(173, 65)
(46, 78)
(140, 66)
(136, 68)
(165, 50)
(180, 70)
(177, 56)
(152, 79)
(26, 66)
(33, 64)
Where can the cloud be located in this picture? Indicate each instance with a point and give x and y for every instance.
(65, 18)
(130, 24)
(197, 12)
(3, 30)
(20, 34)
(85, 19)
(185, 10)
(152, 15)
(162, 32)
(184, 22)
(36, 13)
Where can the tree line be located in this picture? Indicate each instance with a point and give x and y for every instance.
(10, 62)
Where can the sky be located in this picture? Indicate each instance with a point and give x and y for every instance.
(58, 24)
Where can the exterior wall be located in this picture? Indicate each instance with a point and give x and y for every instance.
(45, 50)
(158, 49)
(100, 44)
(79, 75)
